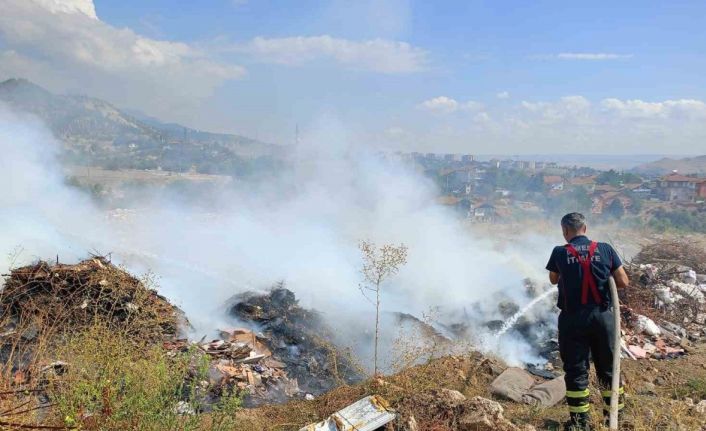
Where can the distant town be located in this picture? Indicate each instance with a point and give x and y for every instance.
(505, 190)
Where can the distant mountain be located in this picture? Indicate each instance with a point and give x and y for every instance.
(97, 133)
(689, 165)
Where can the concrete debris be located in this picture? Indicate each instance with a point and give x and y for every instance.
(369, 414)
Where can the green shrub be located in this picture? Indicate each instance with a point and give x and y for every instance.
(113, 384)
(678, 220)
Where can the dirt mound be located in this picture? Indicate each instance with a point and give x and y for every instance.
(298, 338)
(46, 299)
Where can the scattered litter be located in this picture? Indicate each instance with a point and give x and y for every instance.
(646, 325)
(665, 304)
(368, 414)
(518, 385)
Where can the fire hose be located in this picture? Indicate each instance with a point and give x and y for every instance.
(615, 384)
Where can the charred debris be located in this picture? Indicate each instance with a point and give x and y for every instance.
(288, 356)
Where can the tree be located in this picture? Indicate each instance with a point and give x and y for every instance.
(616, 179)
(379, 263)
(610, 177)
(615, 209)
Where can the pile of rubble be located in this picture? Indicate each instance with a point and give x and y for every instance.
(286, 357)
(298, 338)
(42, 301)
(665, 306)
(241, 361)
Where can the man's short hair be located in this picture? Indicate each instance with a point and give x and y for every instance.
(573, 221)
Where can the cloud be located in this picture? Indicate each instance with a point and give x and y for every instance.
(571, 124)
(683, 108)
(503, 95)
(376, 55)
(63, 44)
(482, 117)
(568, 107)
(447, 105)
(85, 7)
(591, 56)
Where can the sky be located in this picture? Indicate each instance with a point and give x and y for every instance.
(478, 77)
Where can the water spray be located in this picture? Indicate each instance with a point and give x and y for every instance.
(509, 323)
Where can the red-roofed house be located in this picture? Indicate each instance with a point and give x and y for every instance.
(681, 188)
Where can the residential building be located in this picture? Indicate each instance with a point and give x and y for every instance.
(680, 188)
(485, 213)
(554, 182)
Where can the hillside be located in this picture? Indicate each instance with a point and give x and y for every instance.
(94, 132)
(689, 165)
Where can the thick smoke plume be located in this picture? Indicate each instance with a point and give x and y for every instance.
(303, 227)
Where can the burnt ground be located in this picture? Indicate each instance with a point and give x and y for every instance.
(659, 394)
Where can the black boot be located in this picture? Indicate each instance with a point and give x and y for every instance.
(578, 422)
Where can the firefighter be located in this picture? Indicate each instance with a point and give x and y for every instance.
(582, 268)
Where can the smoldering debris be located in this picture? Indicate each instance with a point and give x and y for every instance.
(298, 338)
(240, 362)
(288, 356)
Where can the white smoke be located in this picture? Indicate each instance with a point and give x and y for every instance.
(302, 227)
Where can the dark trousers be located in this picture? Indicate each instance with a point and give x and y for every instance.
(583, 334)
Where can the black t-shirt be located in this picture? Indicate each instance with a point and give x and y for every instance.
(605, 261)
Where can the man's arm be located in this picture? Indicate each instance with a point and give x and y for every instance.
(618, 272)
(553, 277)
(621, 278)
(553, 268)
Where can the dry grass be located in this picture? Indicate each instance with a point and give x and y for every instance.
(471, 375)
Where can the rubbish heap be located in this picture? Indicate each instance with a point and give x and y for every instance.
(664, 309)
(240, 360)
(296, 337)
(284, 353)
(40, 302)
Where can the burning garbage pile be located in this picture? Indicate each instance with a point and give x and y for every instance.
(297, 338)
(287, 357)
(665, 307)
(240, 361)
